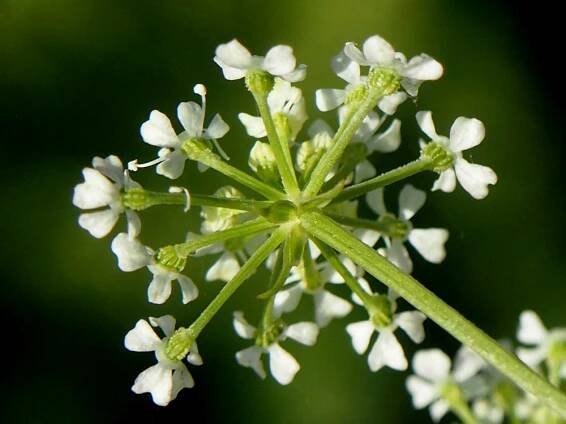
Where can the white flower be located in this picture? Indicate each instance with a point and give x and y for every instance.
(133, 255)
(488, 412)
(282, 364)
(102, 189)
(432, 369)
(235, 61)
(429, 242)
(349, 70)
(284, 99)
(158, 131)
(533, 332)
(386, 351)
(169, 376)
(327, 305)
(379, 53)
(465, 133)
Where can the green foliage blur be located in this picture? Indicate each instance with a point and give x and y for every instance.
(78, 77)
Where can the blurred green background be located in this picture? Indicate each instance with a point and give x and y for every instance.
(78, 77)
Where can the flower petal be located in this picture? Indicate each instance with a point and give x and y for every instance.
(466, 364)
(346, 68)
(188, 288)
(282, 365)
(159, 289)
(242, 327)
(439, 409)
(424, 119)
(251, 358)
(254, 125)
(466, 133)
(378, 51)
(131, 254)
(329, 306)
(387, 351)
(432, 364)
(410, 201)
(446, 182)
(229, 72)
(389, 104)
(355, 54)
(173, 166)
(398, 255)
(158, 381)
(423, 68)
(287, 300)
(411, 322)
(329, 98)
(360, 332)
(364, 170)
(111, 167)
(375, 201)
(422, 392)
(531, 329)
(141, 338)
(429, 242)
(217, 128)
(298, 74)
(95, 192)
(158, 131)
(388, 141)
(100, 223)
(165, 322)
(279, 60)
(191, 116)
(474, 178)
(182, 378)
(224, 269)
(234, 55)
(303, 332)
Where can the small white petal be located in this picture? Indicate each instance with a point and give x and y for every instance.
(287, 300)
(389, 104)
(387, 352)
(229, 72)
(188, 288)
(191, 116)
(388, 141)
(375, 201)
(429, 243)
(182, 378)
(131, 254)
(432, 364)
(378, 51)
(531, 329)
(423, 68)
(298, 74)
(329, 306)
(411, 322)
(173, 166)
(368, 127)
(95, 192)
(446, 182)
(224, 269)
(424, 119)
(410, 201)
(282, 365)
(532, 357)
(364, 171)
(111, 166)
(466, 133)
(360, 332)
(254, 125)
(398, 255)
(369, 237)
(466, 364)
(474, 178)
(159, 289)
(355, 54)
(251, 358)
(165, 322)
(279, 60)
(332, 276)
(242, 327)
(329, 98)
(303, 332)
(320, 126)
(234, 55)
(158, 131)
(439, 409)
(134, 223)
(217, 128)
(100, 223)
(193, 356)
(346, 68)
(422, 392)
(141, 338)
(156, 380)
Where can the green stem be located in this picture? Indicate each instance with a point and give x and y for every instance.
(279, 147)
(359, 222)
(337, 264)
(341, 139)
(326, 230)
(280, 272)
(242, 230)
(405, 171)
(243, 274)
(462, 410)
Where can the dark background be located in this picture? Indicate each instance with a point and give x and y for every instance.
(78, 77)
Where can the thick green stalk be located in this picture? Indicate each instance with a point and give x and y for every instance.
(397, 174)
(341, 139)
(279, 147)
(245, 272)
(323, 228)
(243, 230)
(358, 222)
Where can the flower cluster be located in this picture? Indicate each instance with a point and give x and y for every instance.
(318, 222)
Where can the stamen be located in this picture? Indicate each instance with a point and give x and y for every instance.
(175, 189)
